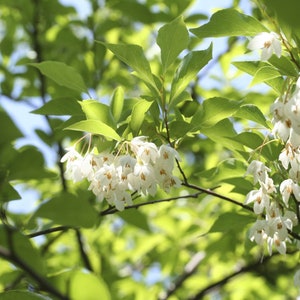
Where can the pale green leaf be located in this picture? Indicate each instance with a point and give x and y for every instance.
(214, 110)
(62, 74)
(252, 113)
(191, 64)
(64, 106)
(134, 57)
(251, 67)
(135, 218)
(95, 110)
(229, 22)
(264, 74)
(232, 221)
(138, 114)
(95, 127)
(172, 39)
(117, 103)
(85, 285)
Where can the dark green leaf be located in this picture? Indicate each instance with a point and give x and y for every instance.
(68, 209)
(29, 164)
(9, 131)
(22, 295)
(22, 248)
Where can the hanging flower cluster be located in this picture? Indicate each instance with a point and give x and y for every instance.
(272, 203)
(116, 177)
(274, 222)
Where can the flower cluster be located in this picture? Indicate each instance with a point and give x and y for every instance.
(116, 177)
(274, 223)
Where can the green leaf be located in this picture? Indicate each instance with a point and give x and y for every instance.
(29, 164)
(138, 114)
(214, 110)
(229, 22)
(22, 248)
(264, 74)
(63, 106)
(191, 64)
(7, 192)
(68, 209)
(22, 295)
(133, 56)
(257, 142)
(231, 221)
(95, 127)
(251, 67)
(11, 131)
(117, 103)
(172, 39)
(95, 110)
(62, 74)
(135, 217)
(284, 65)
(252, 113)
(88, 286)
(80, 284)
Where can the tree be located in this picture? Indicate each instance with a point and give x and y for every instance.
(177, 165)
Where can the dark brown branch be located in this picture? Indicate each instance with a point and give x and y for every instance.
(47, 231)
(212, 193)
(84, 257)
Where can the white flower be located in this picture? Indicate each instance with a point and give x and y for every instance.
(257, 232)
(259, 171)
(268, 42)
(286, 189)
(260, 199)
(145, 151)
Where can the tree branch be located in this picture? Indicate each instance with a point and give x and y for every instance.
(212, 193)
(112, 210)
(84, 257)
(10, 255)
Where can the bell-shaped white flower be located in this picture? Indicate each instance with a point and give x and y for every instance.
(269, 43)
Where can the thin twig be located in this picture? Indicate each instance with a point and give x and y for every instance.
(47, 231)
